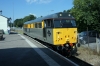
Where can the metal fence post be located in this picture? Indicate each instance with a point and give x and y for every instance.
(88, 37)
(97, 43)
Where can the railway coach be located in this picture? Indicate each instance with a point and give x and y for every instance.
(58, 30)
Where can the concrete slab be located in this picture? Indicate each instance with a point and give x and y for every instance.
(16, 50)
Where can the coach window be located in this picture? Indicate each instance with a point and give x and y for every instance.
(28, 25)
(35, 25)
(40, 26)
(31, 25)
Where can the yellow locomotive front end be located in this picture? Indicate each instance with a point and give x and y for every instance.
(64, 35)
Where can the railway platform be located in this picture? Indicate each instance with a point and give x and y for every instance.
(18, 50)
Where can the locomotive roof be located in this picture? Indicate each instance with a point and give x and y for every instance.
(52, 16)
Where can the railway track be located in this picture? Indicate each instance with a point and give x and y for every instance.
(72, 58)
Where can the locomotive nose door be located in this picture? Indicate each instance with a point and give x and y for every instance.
(44, 30)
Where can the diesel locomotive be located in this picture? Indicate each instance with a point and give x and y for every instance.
(58, 29)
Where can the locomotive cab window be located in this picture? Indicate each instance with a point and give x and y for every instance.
(49, 23)
(64, 23)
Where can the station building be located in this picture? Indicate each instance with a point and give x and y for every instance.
(4, 23)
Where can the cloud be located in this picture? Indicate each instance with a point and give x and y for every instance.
(38, 1)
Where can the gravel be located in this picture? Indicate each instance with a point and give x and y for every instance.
(89, 55)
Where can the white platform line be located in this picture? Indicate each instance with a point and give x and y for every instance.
(47, 59)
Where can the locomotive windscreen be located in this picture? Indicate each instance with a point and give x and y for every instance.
(64, 23)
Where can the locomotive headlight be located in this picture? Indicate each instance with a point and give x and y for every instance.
(60, 14)
(73, 46)
(66, 45)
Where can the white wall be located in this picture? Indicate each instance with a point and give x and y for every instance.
(3, 23)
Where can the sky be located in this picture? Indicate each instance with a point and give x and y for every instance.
(17, 9)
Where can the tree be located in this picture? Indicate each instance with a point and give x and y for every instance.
(67, 11)
(28, 18)
(20, 22)
(87, 13)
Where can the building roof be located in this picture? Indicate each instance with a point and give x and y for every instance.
(4, 16)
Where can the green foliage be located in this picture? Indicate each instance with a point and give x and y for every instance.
(87, 14)
(10, 24)
(20, 22)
